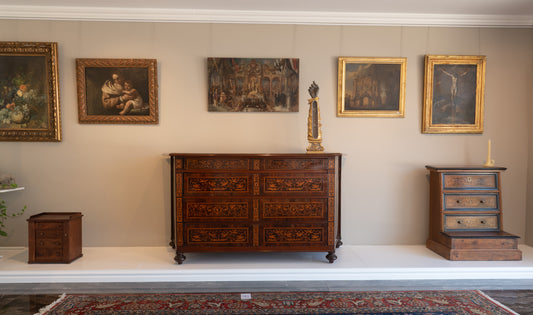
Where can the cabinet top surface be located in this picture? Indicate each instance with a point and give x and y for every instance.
(465, 168)
(251, 155)
(55, 216)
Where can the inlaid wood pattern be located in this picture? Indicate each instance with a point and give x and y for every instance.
(218, 235)
(255, 202)
(293, 235)
(179, 210)
(466, 222)
(294, 164)
(217, 184)
(294, 184)
(179, 234)
(198, 209)
(277, 209)
(471, 201)
(331, 178)
(179, 184)
(217, 164)
(466, 181)
(257, 188)
(256, 210)
(331, 233)
(255, 240)
(331, 209)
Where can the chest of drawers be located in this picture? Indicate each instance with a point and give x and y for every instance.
(54, 237)
(255, 202)
(465, 219)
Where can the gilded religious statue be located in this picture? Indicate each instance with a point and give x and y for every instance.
(314, 133)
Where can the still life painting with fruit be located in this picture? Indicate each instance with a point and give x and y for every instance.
(23, 99)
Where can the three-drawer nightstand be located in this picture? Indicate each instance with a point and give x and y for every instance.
(465, 219)
(54, 237)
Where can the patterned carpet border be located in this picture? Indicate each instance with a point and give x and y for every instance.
(376, 302)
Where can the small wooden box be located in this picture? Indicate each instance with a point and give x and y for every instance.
(54, 237)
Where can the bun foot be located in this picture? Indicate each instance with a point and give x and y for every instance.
(331, 257)
(179, 258)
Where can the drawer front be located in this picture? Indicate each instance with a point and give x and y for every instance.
(470, 181)
(218, 235)
(48, 249)
(216, 209)
(294, 183)
(212, 184)
(305, 208)
(306, 235)
(295, 164)
(471, 222)
(471, 202)
(49, 230)
(214, 163)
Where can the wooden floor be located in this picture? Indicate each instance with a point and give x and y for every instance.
(21, 299)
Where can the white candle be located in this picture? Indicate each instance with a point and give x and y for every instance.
(490, 161)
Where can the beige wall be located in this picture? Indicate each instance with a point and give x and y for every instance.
(118, 175)
(529, 200)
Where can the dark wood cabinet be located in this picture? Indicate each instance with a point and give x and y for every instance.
(465, 219)
(255, 202)
(54, 237)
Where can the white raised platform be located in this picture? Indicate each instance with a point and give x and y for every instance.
(156, 264)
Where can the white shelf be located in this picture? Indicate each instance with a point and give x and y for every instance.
(355, 262)
(11, 189)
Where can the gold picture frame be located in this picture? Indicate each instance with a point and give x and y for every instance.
(29, 96)
(371, 86)
(117, 91)
(454, 88)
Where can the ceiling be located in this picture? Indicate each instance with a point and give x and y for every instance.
(507, 13)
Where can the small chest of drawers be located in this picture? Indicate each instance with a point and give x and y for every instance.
(54, 237)
(465, 219)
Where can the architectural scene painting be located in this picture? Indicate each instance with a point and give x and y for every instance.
(253, 84)
(372, 86)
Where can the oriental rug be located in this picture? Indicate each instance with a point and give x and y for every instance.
(377, 302)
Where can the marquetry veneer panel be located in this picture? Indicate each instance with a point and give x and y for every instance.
(255, 202)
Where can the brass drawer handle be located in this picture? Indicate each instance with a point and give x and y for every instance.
(469, 179)
(482, 201)
(483, 221)
(458, 201)
(459, 221)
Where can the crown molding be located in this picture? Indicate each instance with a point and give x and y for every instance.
(259, 17)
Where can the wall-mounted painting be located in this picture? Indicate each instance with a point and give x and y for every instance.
(253, 84)
(371, 87)
(29, 103)
(117, 91)
(454, 88)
